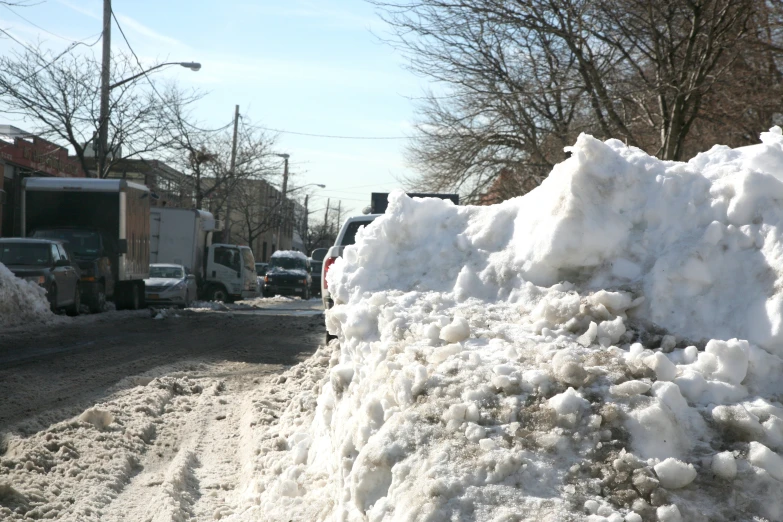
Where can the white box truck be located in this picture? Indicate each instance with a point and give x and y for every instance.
(184, 237)
(106, 223)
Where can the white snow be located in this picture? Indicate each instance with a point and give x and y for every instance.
(605, 348)
(21, 302)
(608, 346)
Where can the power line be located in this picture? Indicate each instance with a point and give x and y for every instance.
(45, 30)
(229, 124)
(331, 136)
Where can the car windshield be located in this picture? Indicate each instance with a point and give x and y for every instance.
(81, 242)
(32, 254)
(288, 263)
(166, 272)
(261, 269)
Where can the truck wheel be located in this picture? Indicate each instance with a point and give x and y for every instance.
(98, 301)
(75, 308)
(218, 293)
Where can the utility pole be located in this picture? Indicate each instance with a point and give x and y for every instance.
(326, 217)
(306, 230)
(103, 118)
(339, 212)
(232, 180)
(282, 201)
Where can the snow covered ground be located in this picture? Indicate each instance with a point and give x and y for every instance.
(605, 348)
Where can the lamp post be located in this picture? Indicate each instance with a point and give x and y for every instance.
(103, 121)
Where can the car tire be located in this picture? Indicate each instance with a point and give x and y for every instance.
(98, 301)
(75, 309)
(306, 295)
(218, 293)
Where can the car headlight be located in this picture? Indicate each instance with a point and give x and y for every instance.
(302, 281)
(40, 280)
(179, 286)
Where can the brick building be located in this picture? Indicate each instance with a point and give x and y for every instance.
(23, 154)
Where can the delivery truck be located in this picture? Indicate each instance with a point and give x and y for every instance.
(106, 223)
(184, 237)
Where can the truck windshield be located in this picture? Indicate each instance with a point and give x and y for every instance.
(287, 263)
(25, 254)
(81, 242)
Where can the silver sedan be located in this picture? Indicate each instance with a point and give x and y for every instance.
(170, 285)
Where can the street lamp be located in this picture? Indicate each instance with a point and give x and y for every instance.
(103, 121)
(193, 66)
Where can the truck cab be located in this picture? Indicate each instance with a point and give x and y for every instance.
(230, 273)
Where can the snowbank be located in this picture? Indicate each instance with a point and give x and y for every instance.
(606, 347)
(21, 301)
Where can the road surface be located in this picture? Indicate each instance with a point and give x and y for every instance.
(50, 373)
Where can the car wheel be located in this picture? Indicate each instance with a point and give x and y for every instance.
(218, 293)
(98, 301)
(75, 308)
(53, 298)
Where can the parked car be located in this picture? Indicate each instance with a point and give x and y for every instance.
(49, 264)
(170, 285)
(261, 269)
(347, 236)
(316, 263)
(288, 274)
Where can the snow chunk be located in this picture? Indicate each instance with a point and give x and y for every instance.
(724, 465)
(629, 388)
(664, 369)
(97, 417)
(670, 513)
(761, 456)
(457, 331)
(674, 474)
(568, 402)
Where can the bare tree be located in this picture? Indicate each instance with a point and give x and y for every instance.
(204, 155)
(259, 208)
(60, 94)
(522, 78)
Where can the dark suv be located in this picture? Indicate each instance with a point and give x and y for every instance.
(47, 263)
(92, 252)
(288, 274)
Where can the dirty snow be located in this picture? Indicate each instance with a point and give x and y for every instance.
(21, 301)
(605, 348)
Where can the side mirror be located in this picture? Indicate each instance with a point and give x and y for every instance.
(62, 262)
(191, 277)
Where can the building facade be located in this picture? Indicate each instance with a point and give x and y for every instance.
(22, 155)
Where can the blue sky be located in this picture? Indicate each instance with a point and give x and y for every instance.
(305, 66)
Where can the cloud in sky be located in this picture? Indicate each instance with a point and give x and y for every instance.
(330, 17)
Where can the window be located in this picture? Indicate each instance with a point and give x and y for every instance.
(20, 254)
(228, 257)
(55, 254)
(63, 253)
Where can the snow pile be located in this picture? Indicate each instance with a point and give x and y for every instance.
(21, 301)
(607, 347)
